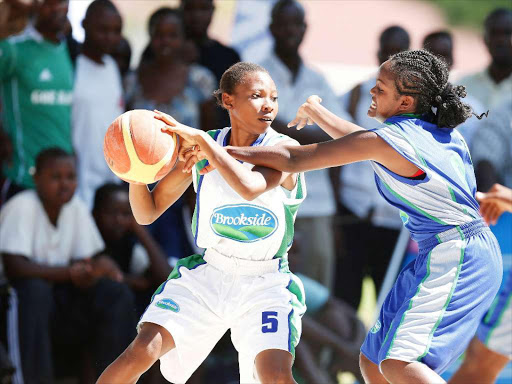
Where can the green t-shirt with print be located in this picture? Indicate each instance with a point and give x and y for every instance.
(36, 79)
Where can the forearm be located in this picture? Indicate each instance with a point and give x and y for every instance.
(18, 267)
(333, 125)
(291, 159)
(239, 177)
(142, 204)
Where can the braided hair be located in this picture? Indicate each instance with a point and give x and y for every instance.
(424, 76)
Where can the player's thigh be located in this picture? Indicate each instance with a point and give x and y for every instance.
(272, 321)
(274, 365)
(370, 371)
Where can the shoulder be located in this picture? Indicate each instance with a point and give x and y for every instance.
(24, 204)
(275, 138)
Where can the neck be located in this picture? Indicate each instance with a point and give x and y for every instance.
(166, 64)
(52, 36)
(291, 61)
(52, 211)
(92, 53)
(499, 73)
(241, 138)
(199, 40)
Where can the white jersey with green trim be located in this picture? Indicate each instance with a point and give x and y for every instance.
(261, 229)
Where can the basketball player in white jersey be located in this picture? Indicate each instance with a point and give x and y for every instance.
(244, 218)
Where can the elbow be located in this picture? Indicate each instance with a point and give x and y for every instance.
(144, 220)
(249, 195)
(249, 191)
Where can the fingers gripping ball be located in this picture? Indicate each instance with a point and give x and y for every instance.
(137, 150)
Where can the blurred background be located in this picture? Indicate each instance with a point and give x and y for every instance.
(87, 76)
(341, 39)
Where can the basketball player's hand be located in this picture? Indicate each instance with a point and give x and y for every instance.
(302, 118)
(495, 202)
(191, 156)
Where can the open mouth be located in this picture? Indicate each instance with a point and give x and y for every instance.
(373, 105)
(265, 119)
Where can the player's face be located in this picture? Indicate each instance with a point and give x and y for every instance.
(103, 30)
(385, 99)
(114, 217)
(167, 38)
(56, 181)
(254, 103)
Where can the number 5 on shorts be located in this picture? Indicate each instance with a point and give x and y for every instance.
(269, 322)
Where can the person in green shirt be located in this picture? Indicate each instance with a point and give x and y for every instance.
(36, 82)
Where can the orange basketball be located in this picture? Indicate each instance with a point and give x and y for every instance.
(137, 150)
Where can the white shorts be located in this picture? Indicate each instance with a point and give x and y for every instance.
(260, 301)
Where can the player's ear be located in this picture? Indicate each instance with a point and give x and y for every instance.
(227, 100)
(406, 104)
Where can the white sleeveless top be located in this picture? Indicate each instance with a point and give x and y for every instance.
(261, 229)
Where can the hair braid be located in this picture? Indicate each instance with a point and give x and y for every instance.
(425, 77)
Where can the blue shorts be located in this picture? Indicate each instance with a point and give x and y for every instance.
(495, 330)
(438, 300)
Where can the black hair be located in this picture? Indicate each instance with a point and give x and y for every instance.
(495, 14)
(437, 35)
(281, 4)
(97, 5)
(424, 76)
(234, 76)
(161, 13)
(394, 31)
(104, 192)
(50, 154)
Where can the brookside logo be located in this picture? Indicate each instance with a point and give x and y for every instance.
(168, 304)
(244, 222)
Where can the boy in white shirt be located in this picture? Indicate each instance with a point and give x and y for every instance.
(68, 295)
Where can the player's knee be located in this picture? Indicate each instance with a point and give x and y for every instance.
(147, 346)
(276, 375)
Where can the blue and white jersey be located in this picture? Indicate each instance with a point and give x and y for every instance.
(261, 229)
(446, 196)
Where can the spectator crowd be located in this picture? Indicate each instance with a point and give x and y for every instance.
(77, 271)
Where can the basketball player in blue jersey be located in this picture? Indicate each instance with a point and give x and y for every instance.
(244, 218)
(423, 167)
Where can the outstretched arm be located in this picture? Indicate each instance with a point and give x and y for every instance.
(357, 146)
(313, 111)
